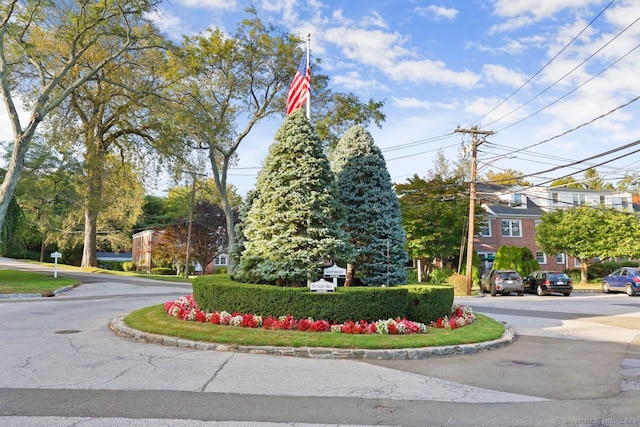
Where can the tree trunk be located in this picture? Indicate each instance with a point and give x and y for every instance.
(96, 158)
(42, 244)
(11, 177)
(584, 266)
(89, 258)
(349, 277)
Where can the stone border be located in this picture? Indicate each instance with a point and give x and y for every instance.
(119, 327)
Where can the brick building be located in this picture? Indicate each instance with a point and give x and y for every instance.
(513, 213)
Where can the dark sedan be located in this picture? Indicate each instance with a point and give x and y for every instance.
(546, 282)
(625, 279)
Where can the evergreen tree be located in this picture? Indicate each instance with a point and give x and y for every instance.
(295, 223)
(374, 221)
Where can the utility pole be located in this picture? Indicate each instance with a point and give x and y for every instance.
(474, 131)
(191, 207)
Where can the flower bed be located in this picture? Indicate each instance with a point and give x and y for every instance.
(186, 308)
(461, 315)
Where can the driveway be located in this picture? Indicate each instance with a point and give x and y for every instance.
(576, 361)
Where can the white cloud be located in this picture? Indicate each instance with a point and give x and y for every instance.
(522, 13)
(500, 74)
(168, 24)
(353, 81)
(374, 20)
(285, 7)
(437, 12)
(433, 72)
(386, 52)
(410, 103)
(210, 4)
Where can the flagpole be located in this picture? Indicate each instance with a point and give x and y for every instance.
(309, 93)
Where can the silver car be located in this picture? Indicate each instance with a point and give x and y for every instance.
(502, 282)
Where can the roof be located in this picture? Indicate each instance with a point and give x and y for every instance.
(503, 210)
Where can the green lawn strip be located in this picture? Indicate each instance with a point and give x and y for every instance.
(154, 320)
(24, 282)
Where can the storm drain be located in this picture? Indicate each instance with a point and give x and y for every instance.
(67, 331)
(519, 364)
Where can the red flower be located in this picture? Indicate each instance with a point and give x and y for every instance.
(393, 329)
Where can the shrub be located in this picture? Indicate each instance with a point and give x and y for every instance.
(516, 258)
(347, 303)
(163, 271)
(129, 266)
(459, 283)
(427, 302)
(440, 275)
(420, 303)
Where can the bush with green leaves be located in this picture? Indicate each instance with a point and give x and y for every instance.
(420, 303)
(129, 266)
(516, 258)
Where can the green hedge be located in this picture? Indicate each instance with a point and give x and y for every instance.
(419, 303)
(427, 302)
(163, 271)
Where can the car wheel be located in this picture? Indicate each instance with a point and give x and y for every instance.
(493, 290)
(520, 293)
(605, 287)
(540, 291)
(567, 294)
(631, 291)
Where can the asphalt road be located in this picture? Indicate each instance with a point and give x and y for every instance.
(575, 362)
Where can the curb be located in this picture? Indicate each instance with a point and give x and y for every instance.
(118, 326)
(55, 293)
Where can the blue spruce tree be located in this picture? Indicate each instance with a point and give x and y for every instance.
(373, 216)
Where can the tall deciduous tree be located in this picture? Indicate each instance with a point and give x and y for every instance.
(586, 233)
(46, 193)
(44, 43)
(227, 84)
(114, 113)
(373, 218)
(434, 215)
(295, 223)
(208, 237)
(505, 177)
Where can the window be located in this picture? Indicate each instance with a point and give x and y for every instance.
(484, 229)
(624, 202)
(511, 228)
(221, 260)
(541, 257)
(554, 198)
(560, 259)
(602, 200)
(579, 199)
(517, 199)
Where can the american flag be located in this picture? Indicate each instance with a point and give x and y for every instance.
(300, 87)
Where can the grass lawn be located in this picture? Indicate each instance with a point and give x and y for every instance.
(24, 282)
(154, 320)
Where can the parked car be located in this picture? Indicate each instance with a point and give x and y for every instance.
(546, 282)
(625, 279)
(502, 282)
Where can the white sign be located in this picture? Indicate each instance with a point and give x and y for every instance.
(335, 271)
(322, 286)
(55, 255)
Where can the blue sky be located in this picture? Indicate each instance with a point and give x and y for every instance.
(439, 65)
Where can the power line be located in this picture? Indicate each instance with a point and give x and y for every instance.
(545, 65)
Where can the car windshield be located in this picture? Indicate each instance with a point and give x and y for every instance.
(560, 276)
